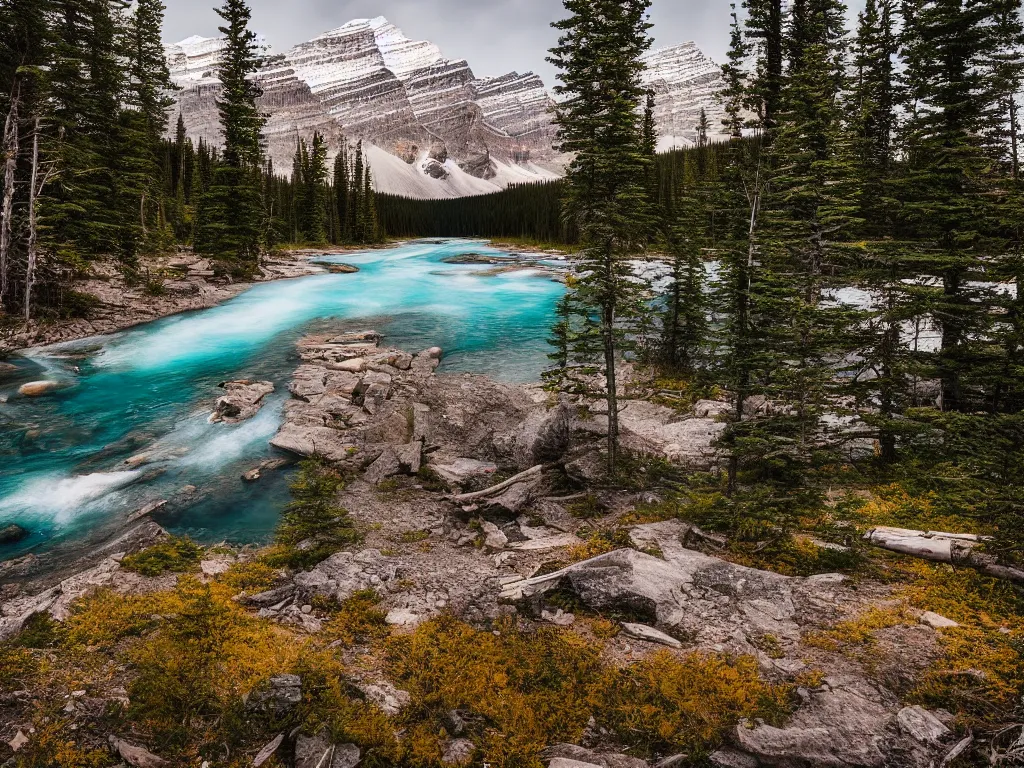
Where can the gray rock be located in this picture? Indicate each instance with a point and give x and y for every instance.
(569, 754)
(937, 621)
(313, 440)
(922, 726)
(512, 500)
(345, 756)
(391, 700)
(650, 634)
(494, 538)
(136, 756)
(731, 758)
(387, 465)
(242, 401)
(589, 469)
(282, 694)
(12, 534)
(410, 457)
(420, 421)
(313, 751)
(843, 726)
(458, 752)
(543, 438)
(268, 751)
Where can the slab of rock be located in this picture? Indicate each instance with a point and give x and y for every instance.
(548, 542)
(731, 758)
(243, 400)
(344, 573)
(410, 457)
(512, 500)
(843, 725)
(353, 365)
(282, 694)
(650, 634)
(136, 756)
(268, 751)
(386, 465)
(922, 726)
(658, 430)
(313, 440)
(715, 601)
(313, 751)
(571, 753)
(937, 621)
(494, 538)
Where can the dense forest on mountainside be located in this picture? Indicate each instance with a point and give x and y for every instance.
(527, 211)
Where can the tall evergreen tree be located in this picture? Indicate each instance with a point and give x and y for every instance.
(598, 54)
(233, 223)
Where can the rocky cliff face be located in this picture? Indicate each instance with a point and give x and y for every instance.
(684, 80)
(452, 133)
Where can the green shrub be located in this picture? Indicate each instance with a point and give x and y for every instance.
(174, 554)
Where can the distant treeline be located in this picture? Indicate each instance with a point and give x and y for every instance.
(528, 211)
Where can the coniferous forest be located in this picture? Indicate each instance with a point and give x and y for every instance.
(90, 173)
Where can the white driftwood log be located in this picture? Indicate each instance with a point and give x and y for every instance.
(522, 476)
(941, 547)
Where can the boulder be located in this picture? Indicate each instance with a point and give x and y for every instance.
(458, 752)
(136, 756)
(38, 388)
(242, 401)
(344, 573)
(389, 699)
(494, 538)
(386, 465)
(12, 534)
(342, 269)
(922, 726)
(410, 457)
(313, 751)
(843, 725)
(345, 756)
(543, 438)
(936, 621)
(282, 694)
(589, 469)
(512, 500)
(716, 602)
(305, 440)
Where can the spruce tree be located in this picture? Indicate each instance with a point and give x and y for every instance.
(598, 54)
(234, 210)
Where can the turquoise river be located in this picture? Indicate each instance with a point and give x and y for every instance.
(151, 388)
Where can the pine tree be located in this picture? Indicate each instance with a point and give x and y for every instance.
(234, 211)
(141, 127)
(947, 189)
(341, 193)
(765, 30)
(598, 53)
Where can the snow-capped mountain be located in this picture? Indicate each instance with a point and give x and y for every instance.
(684, 80)
(436, 130)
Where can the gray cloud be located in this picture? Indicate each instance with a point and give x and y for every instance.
(495, 36)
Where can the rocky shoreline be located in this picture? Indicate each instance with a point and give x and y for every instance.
(177, 283)
(465, 493)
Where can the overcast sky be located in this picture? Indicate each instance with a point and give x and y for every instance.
(495, 36)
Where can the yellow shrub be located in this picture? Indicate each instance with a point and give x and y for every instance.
(666, 703)
(359, 619)
(855, 636)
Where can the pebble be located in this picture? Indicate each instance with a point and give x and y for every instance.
(307, 609)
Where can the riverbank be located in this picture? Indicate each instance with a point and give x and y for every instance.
(179, 282)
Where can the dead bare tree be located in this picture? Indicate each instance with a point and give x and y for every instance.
(10, 153)
(36, 186)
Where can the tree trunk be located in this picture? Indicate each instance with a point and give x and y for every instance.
(30, 271)
(953, 548)
(10, 151)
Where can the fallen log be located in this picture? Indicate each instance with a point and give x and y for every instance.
(521, 477)
(957, 549)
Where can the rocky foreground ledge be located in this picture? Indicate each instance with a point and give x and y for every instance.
(464, 491)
